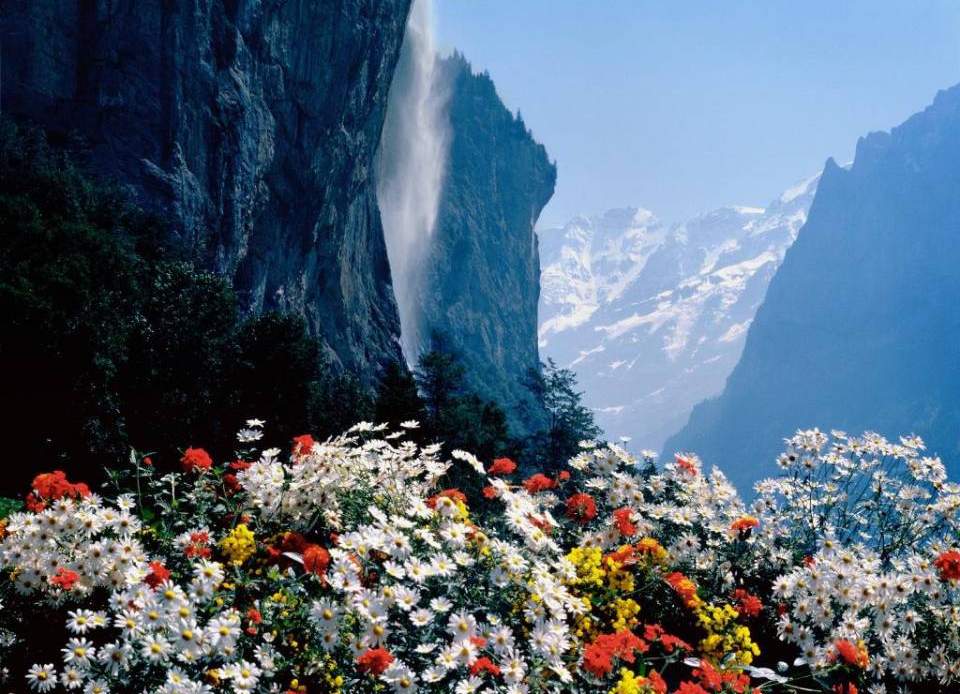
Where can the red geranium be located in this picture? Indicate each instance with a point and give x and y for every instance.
(538, 483)
(196, 459)
(197, 545)
(55, 485)
(484, 664)
(65, 578)
(850, 653)
(316, 560)
(749, 605)
(581, 508)
(303, 444)
(158, 574)
(599, 654)
(374, 661)
(948, 565)
(502, 466)
(622, 518)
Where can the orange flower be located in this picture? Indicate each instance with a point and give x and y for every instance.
(744, 524)
(684, 587)
(851, 654)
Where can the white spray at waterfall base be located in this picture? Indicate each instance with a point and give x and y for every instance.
(413, 153)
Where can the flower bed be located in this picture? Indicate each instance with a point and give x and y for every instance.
(356, 565)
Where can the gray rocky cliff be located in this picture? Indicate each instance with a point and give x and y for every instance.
(483, 278)
(251, 124)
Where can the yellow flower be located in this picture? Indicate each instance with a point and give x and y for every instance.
(239, 545)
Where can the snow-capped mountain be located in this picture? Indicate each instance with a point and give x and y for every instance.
(653, 318)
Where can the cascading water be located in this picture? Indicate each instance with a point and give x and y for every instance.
(413, 152)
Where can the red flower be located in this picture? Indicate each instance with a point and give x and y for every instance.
(657, 682)
(690, 688)
(851, 654)
(54, 485)
(303, 444)
(599, 654)
(148, 461)
(502, 466)
(316, 560)
(744, 524)
(196, 459)
(197, 545)
(581, 508)
(686, 464)
(254, 616)
(748, 605)
(158, 574)
(489, 492)
(563, 476)
(948, 565)
(374, 661)
(622, 518)
(484, 664)
(844, 688)
(538, 483)
(65, 578)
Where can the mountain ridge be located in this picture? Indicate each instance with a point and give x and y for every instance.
(859, 327)
(652, 317)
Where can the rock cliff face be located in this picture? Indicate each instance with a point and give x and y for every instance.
(482, 282)
(860, 327)
(251, 124)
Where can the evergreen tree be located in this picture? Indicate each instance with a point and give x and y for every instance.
(398, 399)
(569, 420)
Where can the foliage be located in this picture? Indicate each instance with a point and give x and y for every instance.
(112, 338)
(570, 421)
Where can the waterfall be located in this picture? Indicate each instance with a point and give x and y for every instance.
(413, 152)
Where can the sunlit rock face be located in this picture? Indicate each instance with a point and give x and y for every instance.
(860, 327)
(483, 280)
(251, 125)
(653, 317)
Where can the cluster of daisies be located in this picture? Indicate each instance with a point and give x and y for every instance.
(358, 564)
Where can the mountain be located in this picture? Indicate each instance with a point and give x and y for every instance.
(860, 327)
(653, 318)
(482, 283)
(250, 126)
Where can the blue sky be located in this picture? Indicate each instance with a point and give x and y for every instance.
(682, 106)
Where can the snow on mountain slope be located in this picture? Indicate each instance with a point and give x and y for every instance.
(653, 319)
